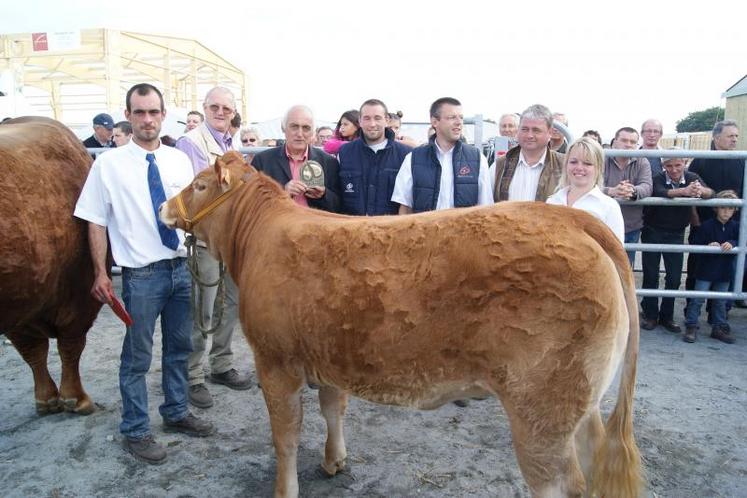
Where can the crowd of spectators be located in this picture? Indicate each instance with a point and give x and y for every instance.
(375, 175)
(370, 168)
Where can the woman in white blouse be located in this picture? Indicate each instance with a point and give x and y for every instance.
(580, 182)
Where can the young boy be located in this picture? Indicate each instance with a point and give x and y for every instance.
(716, 270)
(666, 225)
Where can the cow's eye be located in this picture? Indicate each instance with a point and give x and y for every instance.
(200, 187)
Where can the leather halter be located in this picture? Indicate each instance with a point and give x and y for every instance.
(189, 223)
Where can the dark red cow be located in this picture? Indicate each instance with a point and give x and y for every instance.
(45, 265)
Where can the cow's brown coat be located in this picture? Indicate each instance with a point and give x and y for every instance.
(45, 266)
(532, 303)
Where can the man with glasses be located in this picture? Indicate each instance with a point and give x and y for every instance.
(250, 137)
(651, 132)
(444, 173)
(284, 162)
(323, 135)
(204, 145)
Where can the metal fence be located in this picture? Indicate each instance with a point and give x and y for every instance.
(740, 250)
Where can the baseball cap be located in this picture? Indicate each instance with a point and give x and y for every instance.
(104, 120)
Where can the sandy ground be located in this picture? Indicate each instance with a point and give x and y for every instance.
(691, 402)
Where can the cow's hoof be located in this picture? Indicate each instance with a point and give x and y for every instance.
(333, 468)
(82, 407)
(52, 405)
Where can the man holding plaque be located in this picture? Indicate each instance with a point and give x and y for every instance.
(370, 163)
(310, 176)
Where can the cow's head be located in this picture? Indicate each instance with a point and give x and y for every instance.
(193, 208)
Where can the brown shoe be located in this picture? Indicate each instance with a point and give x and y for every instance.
(145, 449)
(648, 323)
(189, 425)
(691, 333)
(232, 379)
(722, 334)
(199, 396)
(670, 326)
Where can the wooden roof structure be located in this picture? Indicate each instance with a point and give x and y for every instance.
(109, 62)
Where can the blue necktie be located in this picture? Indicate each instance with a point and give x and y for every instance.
(158, 197)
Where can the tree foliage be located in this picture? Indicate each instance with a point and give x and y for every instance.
(700, 120)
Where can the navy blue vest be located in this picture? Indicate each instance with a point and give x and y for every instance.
(426, 176)
(367, 177)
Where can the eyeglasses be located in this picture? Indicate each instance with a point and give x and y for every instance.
(248, 140)
(215, 108)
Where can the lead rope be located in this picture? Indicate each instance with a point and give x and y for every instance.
(197, 307)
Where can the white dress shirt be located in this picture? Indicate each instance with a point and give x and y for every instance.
(402, 193)
(526, 178)
(116, 195)
(604, 207)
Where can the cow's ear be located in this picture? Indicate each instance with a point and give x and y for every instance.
(224, 175)
(218, 167)
(225, 178)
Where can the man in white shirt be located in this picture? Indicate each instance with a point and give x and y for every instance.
(444, 173)
(531, 171)
(121, 196)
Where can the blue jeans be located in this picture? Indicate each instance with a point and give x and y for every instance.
(718, 306)
(162, 288)
(672, 266)
(631, 238)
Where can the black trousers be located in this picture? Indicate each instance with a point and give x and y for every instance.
(672, 267)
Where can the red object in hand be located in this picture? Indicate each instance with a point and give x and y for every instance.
(120, 311)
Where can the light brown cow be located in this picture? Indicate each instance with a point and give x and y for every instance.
(45, 266)
(534, 304)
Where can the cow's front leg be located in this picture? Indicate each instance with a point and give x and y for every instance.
(281, 386)
(34, 350)
(333, 403)
(73, 397)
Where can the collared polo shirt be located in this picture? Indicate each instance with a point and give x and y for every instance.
(295, 168)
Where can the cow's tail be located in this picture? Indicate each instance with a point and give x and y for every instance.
(617, 463)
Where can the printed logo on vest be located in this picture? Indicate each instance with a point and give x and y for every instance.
(349, 188)
(464, 170)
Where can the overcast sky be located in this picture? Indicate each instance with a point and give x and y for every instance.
(604, 64)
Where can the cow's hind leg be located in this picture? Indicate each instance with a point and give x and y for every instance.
(547, 458)
(73, 397)
(333, 403)
(281, 387)
(34, 349)
(589, 437)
